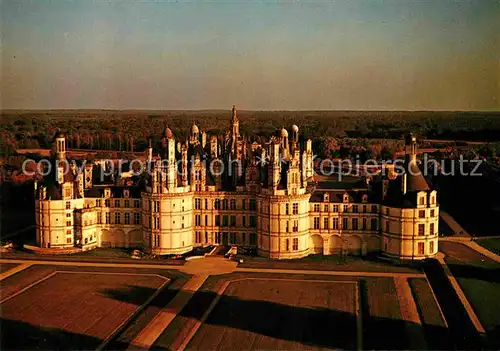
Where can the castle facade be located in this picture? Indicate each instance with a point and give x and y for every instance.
(228, 190)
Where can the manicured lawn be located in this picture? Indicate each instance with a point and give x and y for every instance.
(281, 314)
(383, 327)
(106, 252)
(491, 244)
(436, 332)
(73, 310)
(479, 278)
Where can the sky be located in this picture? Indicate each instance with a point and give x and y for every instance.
(259, 55)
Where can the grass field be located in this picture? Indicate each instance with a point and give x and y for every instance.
(479, 278)
(281, 314)
(72, 309)
(491, 244)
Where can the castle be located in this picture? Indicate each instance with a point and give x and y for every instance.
(230, 191)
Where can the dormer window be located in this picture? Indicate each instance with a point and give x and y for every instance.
(107, 192)
(346, 198)
(364, 198)
(326, 197)
(126, 193)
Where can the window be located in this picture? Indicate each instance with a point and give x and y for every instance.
(421, 214)
(137, 203)
(335, 223)
(344, 223)
(217, 238)
(126, 203)
(421, 248)
(197, 204)
(295, 226)
(67, 192)
(433, 213)
(253, 205)
(68, 223)
(253, 222)
(117, 203)
(421, 229)
(243, 238)
(326, 208)
(431, 247)
(197, 220)
(99, 219)
(98, 203)
(244, 204)
(287, 229)
(156, 206)
(137, 218)
(68, 205)
(433, 200)
(68, 240)
(225, 203)
(374, 208)
(364, 208)
(127, 218)
(206, 237)
(68, 214)
(295, 208)
(217, 220)
(253, 239)
(108, 216)
(198, 237)
(295, 244)
(335, 208)
(364, 224)
(355, 224)
(206, 219)
(387, 212)
(232, 238)
(156, 223)
(325, 222)
(422, 200)
(117, 217)
(244, 221)
(287, 245)
(316, 208)
(68, 232)
(374, 224)
(431, 229)
(107, 202)
(233, 221)
(316, 222)
(206, 204)
(232, 204)
(387, 226)
(346, 208)
(156, 240)
(225, 221)
(217, 204)
(355, 208)
(287, 209)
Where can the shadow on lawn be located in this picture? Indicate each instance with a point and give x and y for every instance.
(17, 335)
(318, 327)
(491, 275)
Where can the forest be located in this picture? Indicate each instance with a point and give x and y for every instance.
(376, 134)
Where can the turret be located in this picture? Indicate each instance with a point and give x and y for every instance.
(60, 146)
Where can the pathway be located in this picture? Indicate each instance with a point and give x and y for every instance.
(468, 307)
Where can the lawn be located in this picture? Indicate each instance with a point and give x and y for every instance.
(436, 333)
(73, 310)
(281, 314)
(383, 327)
(479, 278)
(491, 244)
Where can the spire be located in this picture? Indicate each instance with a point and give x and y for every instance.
(233, 117)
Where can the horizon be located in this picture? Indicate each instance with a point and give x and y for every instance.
(274, 56)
